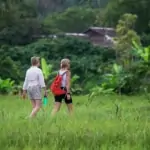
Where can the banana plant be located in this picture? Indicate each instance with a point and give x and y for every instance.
(143, 52)
(117, 68)
(110, 83)
(99, 90)
(6, 86)
(47, 69)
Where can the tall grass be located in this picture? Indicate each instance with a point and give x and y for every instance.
(108, 123)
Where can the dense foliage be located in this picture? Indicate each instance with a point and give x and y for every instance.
(23, 22)
(116, 8)
(53, 50)
(65, 21)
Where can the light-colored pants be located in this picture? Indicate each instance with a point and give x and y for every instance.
(34, 92)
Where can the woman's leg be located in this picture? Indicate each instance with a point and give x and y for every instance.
(36, 108)
(69, 104)
(33, 103)
(35, 93)
(56, 108)
(70, 108)
(57, 105)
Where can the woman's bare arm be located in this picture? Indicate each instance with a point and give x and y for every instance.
(68, 80)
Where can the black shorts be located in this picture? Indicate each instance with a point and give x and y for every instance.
(63, 97)
(59, 99)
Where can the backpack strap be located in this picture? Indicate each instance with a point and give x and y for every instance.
(63, 73)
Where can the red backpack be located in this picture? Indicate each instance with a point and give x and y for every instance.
(56, 85)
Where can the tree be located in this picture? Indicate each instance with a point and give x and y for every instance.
(18, 22)
(125, 34)
(116, 8)
(74, 19)
(48, 6)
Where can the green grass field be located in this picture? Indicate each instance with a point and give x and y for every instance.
(108, 123)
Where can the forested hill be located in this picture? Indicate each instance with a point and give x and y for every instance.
(22, 20)
(46, 6)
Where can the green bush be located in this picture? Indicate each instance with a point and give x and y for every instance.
(65, 21)
(87, 61)
(145, 39)
(10, 69)
(127, 80)
(6, 86)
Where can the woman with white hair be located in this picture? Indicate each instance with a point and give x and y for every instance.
(65, 85)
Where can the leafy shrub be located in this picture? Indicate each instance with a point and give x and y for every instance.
(87, 61)
(6, 86)
(145, 39)
(129, 80)
(16, 89)
(97, 91)
(115, 80)
(64, 22)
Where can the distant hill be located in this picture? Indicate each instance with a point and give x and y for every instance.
(47, 6)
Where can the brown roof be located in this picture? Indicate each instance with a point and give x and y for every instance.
(101, 30)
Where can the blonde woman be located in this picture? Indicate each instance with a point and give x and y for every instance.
(65, 85)
(34, 82)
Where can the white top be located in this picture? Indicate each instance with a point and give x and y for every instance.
(34, 76)
(64, 78)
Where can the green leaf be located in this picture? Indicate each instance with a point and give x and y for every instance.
(45, 68)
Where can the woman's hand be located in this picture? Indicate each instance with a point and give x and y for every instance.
(45, 93)
(24, 94)
(68, 97)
